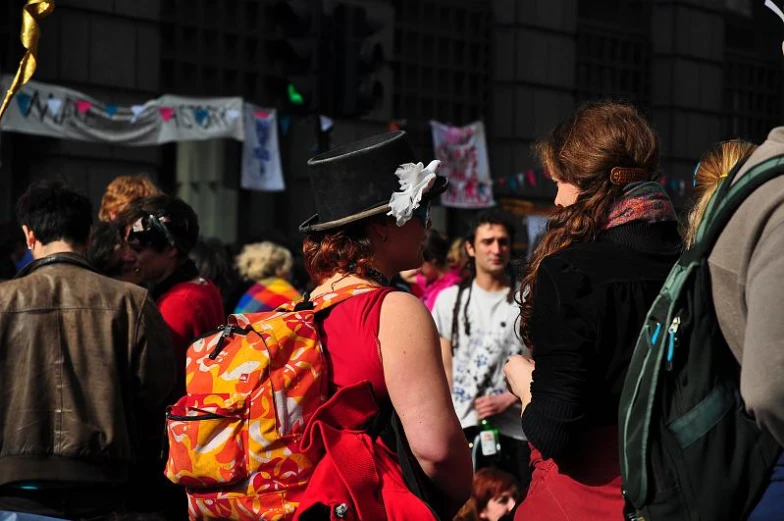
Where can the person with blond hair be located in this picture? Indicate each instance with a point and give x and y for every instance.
(714, 166)
(457, 257)
(122, 191)
(269, 265)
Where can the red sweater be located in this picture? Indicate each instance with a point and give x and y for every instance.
(190, 309)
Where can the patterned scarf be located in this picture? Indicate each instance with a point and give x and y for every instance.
(643, 201)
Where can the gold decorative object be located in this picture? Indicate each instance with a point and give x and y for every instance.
(32, 12)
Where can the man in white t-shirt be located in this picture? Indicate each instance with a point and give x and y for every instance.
(477, 322)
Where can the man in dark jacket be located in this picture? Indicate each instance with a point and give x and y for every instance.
(86, 365)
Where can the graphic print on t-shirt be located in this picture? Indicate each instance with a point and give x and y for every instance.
(478, 361)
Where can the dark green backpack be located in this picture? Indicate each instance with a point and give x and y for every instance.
(689, 450)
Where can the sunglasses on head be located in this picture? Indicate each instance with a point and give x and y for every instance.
(150, 231)
(422, 212)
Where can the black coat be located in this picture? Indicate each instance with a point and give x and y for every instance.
(590, 301)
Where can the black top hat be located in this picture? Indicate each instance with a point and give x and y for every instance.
(357, 181)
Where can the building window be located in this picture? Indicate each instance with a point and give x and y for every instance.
(442, 70)
(612, 64)
(752, 96)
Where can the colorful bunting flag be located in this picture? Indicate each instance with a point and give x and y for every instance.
(325, 123)
(166, 113)
(82, 106)
(54, 105)
(23, 100)
(136, 110)
(201, 114)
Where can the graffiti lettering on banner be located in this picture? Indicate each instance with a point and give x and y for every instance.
(50, 110)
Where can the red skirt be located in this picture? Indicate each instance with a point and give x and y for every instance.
(587, 489)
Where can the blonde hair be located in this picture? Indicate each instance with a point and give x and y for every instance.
(262, 260)
(124, 190)
(457, 256)
(712, 169)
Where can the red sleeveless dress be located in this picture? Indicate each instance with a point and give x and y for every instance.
(359, 478)
(349, 333)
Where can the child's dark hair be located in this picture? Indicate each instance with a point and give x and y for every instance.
(436, 249)
(105, 243)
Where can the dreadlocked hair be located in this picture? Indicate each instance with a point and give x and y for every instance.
(469, 271)
(340, 250)
(581, 151)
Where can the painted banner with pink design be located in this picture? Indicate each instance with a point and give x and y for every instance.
(51, 110)
(463, 155)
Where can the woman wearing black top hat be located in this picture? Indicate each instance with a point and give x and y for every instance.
(373, 207)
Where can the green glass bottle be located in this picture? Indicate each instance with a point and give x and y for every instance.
(489, 439)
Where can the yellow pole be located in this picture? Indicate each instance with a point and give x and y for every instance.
(32, 12)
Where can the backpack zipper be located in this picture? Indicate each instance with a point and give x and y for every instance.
(228, 330)
(205, 415)
(676, 322)
(655, 336)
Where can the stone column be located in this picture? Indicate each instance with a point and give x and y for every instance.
(532, 80)
(687, 75)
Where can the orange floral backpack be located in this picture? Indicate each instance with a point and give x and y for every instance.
(252, 386)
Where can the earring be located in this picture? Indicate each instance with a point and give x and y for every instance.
(383, 238)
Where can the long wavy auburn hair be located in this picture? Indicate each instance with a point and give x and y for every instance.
(582, 150)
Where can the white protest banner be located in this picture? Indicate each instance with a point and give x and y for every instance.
(463, 155)
(261, 168)
(50, 110)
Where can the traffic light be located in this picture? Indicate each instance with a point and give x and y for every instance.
(292, 51)
(356, 78)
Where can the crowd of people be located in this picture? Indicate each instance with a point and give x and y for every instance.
(506, 381)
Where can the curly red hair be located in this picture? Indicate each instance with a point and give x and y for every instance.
(489, 483)
(122, 191)
(341, 250)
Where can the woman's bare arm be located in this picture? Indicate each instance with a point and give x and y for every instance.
(417, 384)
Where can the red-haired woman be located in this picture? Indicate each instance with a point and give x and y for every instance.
(493, 496)
(607, 250)
(373, 213)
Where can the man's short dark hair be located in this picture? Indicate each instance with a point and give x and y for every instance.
(490, 216)
(55, 212)
(179, 219)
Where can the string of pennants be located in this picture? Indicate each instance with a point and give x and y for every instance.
(200, 114)
(533, 179)
(673, 185)
(83, 106)
(166, 119)
(523, 181)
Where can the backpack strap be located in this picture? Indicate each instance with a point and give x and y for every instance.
(727, 199)
(325, 301)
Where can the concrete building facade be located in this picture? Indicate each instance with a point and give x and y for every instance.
(702, 70)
